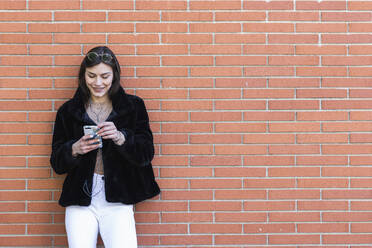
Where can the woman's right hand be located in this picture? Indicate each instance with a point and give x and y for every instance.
(84, 145)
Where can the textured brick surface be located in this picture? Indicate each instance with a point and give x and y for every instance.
(260, 111)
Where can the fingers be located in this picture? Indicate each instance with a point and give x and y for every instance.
(107, 130)
(87, 144)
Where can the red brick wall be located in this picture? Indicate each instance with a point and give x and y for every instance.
(261, 112)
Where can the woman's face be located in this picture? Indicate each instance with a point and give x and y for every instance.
(99, 80)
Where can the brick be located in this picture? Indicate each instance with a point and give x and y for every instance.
(160, 5)
(323, 116)
(294, 16)
(294, 172)
(103, 27)
(268, 27)
(12, 162)
(322, 138)
(13, 27)
(186, 217)
(54, 5)
(293, 38)
(268, 93)
(294, 82)
(79, 38)
(321, 71)
(240, 239)
(216, 206)
(186, 38)
(240, 83)
(26, 241)
(215, 5)
(269, 49)
(294, 239)
(239, 38)
(240, 60)
(13, 229)
(294, 127)
(215, 184)
(79, 16)
(346, 16)
(107, 4)
(268, 160)
(161, 27)
(53, 28)
(321, 50)
(12, 139)
(269, 183)
(13, 49)
(240, 127)
(349, 38)
(131, 39)
(215, 161)
(290, 60)
(25, 16)
(269, 139)
(345, 194)
(161, 49)
(13, 5)
(346, 217)
(187, 16)
(268, 5)
(322, 183)
(187, 127)
(240, 149)
(345, 82)
(345, 126)
(294, 217)
(186, 240)
(269, 228)
(325, 5)
(215, 228)
(173, 183)
(187, 60)
(240, 105)
(215, 116)
(268, 71)
(322, 27)
(322, 205)
(294, 194)
(187, 105)
(269, 116)
(322, 160)
(161, 71)
(215, 139)
(215, 49)
(239, 172)
(293, 104)
(240, 16)
(359, 5)
(345, 171)
(360, 49)
(269, 206)
(215, 28)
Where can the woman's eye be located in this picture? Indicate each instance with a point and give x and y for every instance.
(91, 76)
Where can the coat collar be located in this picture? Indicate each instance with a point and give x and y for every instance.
(121, 105)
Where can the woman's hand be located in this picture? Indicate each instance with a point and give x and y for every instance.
(107, 130)
(84, 145)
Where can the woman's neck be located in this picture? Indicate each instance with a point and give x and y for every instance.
(101, 100)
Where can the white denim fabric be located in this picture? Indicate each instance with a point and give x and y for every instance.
(113, 221)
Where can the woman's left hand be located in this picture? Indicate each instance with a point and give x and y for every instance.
(107, 130)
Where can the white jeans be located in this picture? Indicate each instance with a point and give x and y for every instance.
(114, 221)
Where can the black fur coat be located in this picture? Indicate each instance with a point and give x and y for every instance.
(128, 173)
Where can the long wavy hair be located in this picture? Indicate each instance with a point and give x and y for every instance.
(90, 61)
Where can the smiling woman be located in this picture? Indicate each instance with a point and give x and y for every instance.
(108, 168)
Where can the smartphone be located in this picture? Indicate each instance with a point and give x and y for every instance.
(92, 130)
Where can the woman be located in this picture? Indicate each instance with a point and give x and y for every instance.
(111, 170)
